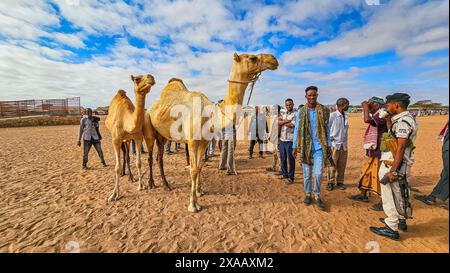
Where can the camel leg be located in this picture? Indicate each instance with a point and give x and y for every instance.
(186, 151)
(138, 163)
(130, 173)
(161, 164)
(203, 146)
(124, 151)
(115, 195)
(195, 156)
(150, 144)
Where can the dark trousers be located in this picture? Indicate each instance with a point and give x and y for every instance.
(169, 144)
(440, 191)
(285, 157)
(87, 147)
(252, 146)
(133, 147)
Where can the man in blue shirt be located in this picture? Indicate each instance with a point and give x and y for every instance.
(312, 143)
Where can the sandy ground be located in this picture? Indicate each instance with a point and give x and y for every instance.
(47, 203)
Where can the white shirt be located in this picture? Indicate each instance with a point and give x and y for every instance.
(338, 125)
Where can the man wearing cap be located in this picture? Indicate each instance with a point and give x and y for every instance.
(377, 125)
(396, 161)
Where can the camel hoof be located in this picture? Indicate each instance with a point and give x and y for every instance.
(167, 188)
(122, 174)
(194, 208)
(151, 185)
(113, 197)
(142, 187)
(200, 193)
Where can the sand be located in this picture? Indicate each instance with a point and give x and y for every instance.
(48, 204)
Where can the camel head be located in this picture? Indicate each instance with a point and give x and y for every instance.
(248, 65)
(143, 83)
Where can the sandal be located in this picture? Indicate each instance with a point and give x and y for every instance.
(360, 198)
(425, 199)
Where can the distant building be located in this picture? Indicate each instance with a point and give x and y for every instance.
(425, 102)
(103, 111)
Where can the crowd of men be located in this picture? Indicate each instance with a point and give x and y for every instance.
(318, 139)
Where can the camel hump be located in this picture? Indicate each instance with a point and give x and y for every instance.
(176, 79)
(176, 84)
(122, 93)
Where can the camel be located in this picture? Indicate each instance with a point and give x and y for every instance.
(245, 69)
(125, 122)
(150, 137)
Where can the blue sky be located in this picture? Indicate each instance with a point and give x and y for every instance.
(348, 48)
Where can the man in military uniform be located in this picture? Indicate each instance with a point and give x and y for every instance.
(396, 161)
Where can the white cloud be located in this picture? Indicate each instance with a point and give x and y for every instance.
(98, 17)
(34, 56)
(72, 40)
(25, 20)
(409, 29)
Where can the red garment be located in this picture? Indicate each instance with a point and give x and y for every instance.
(380, 124)
(443, 132)
(371, 138)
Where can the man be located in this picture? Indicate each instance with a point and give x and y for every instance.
(227, 152)
(212, 145)
(377, 125)
(274, 137)
(168, 145)
(89, 130)
(133, 147)
(258, 129)
(312, 143)
(440, 191)
(338, 125)
(396, 162)
(287, 123)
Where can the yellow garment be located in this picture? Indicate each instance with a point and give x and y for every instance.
(369, 176)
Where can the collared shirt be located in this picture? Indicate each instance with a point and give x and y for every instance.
(313, 124)
(338, 126)
(287, 134)
(88, 129)
(403, 126)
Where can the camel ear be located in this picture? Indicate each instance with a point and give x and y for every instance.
(136, 79)
(236, 57)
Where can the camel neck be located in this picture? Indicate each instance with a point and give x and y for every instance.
(237, 85)
(234, 97)
(138, 114)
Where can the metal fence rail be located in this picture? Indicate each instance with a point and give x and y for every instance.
(52, 107)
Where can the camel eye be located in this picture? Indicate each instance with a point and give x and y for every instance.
(253, 58)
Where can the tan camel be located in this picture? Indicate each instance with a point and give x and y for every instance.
(125, 122)
(244, 69)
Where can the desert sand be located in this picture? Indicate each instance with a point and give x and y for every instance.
(48, 203)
